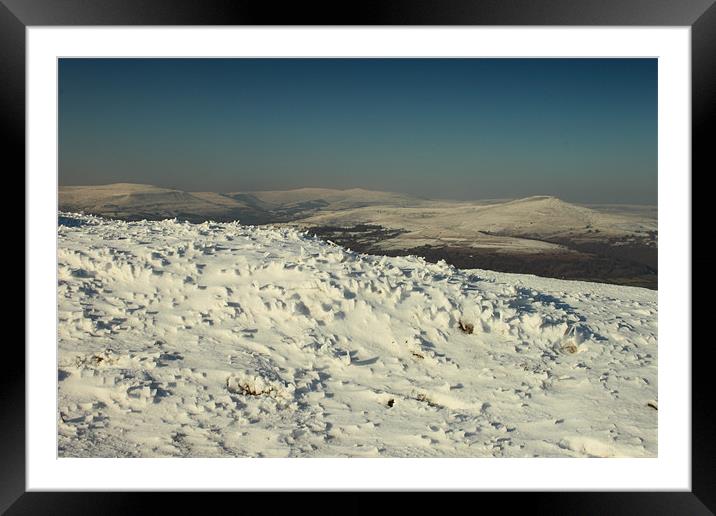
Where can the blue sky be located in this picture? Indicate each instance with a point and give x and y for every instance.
(584, 130)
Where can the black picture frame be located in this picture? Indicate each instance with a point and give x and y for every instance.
(700, 15)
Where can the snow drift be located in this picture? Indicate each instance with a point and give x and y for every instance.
(228, 340)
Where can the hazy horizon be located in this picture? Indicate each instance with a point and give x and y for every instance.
(583, 130)
(426, 197)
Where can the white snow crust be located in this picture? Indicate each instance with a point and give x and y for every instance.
(211, 340)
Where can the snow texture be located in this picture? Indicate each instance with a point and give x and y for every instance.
(214, 340)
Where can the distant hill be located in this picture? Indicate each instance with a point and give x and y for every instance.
(139, 201)
(540, 234)
(537, 218)
(542, 217)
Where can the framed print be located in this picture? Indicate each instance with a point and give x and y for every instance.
(302, 251)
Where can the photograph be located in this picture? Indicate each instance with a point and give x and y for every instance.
(396, 257)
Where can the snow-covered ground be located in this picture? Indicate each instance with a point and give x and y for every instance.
(228, 340)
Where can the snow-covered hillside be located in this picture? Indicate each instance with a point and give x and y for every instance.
(517, 226)
(228, 340)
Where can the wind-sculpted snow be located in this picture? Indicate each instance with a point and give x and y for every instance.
(228, 340)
